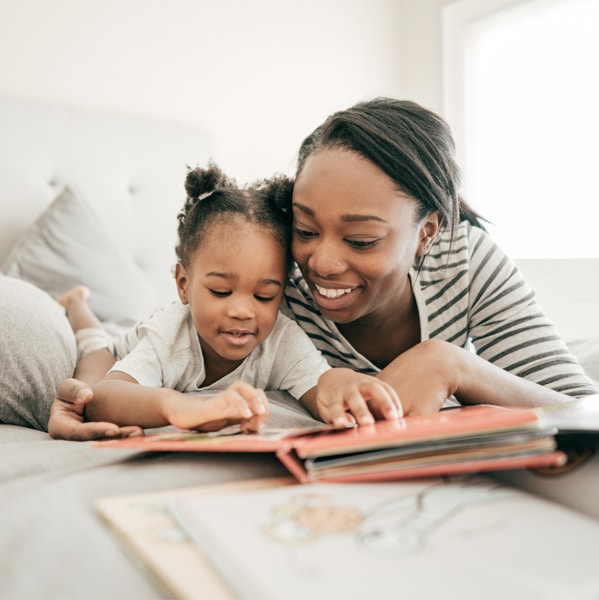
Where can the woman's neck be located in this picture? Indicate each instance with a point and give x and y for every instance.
(381, 338)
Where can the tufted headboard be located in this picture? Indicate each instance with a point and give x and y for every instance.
(128, 168)
(131, 170)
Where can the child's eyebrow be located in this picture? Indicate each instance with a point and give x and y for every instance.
(222, 275)
(272, 282)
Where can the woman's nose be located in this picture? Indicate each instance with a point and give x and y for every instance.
(325, 259)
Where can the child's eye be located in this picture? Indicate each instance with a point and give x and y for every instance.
(264, 298)
(304, 233)
(220, 294)
(362, 244)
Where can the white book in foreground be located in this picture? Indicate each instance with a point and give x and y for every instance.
(451, 537)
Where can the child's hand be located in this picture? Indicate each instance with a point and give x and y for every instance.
(240, 403)
(345, 397)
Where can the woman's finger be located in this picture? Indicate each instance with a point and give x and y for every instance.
(382, 400)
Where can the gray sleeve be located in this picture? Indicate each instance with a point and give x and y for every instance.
(508, 326)
(37, 352)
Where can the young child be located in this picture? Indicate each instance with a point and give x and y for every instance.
(226, 338)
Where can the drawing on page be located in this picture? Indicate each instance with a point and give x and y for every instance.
(399, 526)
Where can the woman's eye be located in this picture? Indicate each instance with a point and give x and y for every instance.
(304, 233)
(220, 294)
(362, 244)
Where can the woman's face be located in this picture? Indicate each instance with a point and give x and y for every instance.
(355, 236)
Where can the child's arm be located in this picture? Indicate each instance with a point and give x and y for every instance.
(345, 397)
(119, 399)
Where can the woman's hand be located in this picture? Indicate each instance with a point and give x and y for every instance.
(240, 403)
(345, 397)
(426, 375)
(67, 416)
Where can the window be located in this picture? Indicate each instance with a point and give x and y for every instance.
(521, 90)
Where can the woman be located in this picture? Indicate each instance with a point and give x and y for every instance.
(397, 277)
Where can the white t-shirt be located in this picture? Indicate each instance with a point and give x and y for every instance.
(168, 354)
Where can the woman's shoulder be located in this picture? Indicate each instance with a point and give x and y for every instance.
(461, 241)
(456, 252)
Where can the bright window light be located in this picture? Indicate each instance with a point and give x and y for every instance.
(529, 125)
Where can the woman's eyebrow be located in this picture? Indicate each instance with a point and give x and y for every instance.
(354, 218)
(346, 218)
(303, 208)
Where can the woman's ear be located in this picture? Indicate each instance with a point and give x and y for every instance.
(182, 280)
(429, 229)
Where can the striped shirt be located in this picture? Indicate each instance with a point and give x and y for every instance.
(467, 293)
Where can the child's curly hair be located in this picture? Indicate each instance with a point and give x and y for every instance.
(212, 197)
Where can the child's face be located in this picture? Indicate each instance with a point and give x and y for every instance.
(234, 287)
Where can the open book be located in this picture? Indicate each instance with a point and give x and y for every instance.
(466, 537)
(457, 440)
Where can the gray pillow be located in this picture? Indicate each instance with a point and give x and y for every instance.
(37, 352)
(69, 245)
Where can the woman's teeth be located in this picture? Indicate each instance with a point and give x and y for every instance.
(332, 293)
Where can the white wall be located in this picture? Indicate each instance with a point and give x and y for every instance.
(421, 60)
(259, 73)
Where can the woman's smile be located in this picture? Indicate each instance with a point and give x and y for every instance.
(333, 292)
(329, 298)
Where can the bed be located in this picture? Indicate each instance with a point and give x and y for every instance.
(92, 197)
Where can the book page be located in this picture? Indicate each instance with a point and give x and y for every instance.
(161, 547)
(459, 537)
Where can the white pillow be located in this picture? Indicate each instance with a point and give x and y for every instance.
(69, 245)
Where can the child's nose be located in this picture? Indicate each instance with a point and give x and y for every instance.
(241, 308)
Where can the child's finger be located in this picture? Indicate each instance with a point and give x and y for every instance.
(261, 408)
(254, 423)
(254, 397)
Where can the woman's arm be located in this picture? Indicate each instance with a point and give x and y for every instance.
(67, 414)
(428, 374)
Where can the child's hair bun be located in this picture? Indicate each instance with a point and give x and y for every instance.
(278, 190)
(202, 181)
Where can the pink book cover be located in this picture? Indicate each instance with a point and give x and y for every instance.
(458, 440)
